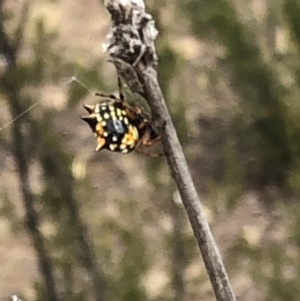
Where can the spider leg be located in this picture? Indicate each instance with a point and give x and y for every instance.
(153, 155)
(121, 95)
(140, 148)
(150, 142)
(145, 141)
(111, 96)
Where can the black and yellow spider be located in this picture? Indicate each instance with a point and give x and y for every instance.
(120, 127)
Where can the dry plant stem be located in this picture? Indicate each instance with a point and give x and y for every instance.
(130, 47)
(189, 196)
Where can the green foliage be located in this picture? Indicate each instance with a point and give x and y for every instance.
(254, 79)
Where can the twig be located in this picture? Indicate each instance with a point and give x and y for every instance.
(130, 47)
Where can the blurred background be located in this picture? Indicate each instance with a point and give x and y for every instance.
(80, 225)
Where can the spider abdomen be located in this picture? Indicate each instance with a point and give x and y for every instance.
(114, 129)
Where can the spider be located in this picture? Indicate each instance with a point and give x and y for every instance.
(120, 127)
